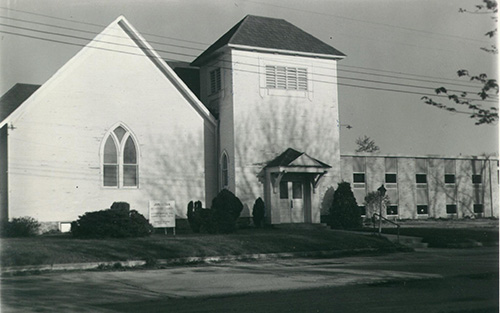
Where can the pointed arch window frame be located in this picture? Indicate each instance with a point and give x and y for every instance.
(120, 164)
(224, 170)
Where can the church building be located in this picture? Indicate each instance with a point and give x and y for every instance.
(254, 113)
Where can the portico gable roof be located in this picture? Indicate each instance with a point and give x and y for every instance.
(295, 161)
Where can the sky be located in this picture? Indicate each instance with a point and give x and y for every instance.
(408, 47)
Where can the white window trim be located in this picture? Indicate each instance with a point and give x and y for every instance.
(392, 215)
(355, 184)
(120, 146)
(391, 185)
(426, 173)
(265, 91)
(287, 77)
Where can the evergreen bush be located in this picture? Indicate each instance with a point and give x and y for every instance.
(191, 218)
(344, 211)
(21, 227)
(116, 222)
(200, 219)
(258, 212)
(205, 218)
(226, 208)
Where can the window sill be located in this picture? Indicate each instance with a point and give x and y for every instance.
(120, 188)
(215, 95)
(287, 93)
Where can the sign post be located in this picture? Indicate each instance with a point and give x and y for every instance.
(162, 214)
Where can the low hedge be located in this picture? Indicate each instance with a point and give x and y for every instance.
(116, 222)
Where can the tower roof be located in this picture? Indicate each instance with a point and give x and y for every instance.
(269, 33)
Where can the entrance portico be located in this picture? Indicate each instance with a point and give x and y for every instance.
(290, 182)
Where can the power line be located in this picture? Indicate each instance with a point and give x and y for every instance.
(89, 39)
(400, 73)
(397, 77)
(366, 22)
(190, 55)
(93, 24)
(68, 43)
(94, 33)
(255, 72)
(184, 54)
(192, 48)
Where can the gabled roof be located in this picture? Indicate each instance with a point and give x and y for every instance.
(190, 75)
(101, 43)
(270, 33)
(13, 98)
(294, 158)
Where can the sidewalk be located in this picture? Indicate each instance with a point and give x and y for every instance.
(182, 261)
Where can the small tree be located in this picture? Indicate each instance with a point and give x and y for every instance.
(226, 208)
(373, 201)
(344, 212)
(366, 144)
(481, 104)
(258, 212)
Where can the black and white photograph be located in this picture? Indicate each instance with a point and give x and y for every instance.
(249, 156)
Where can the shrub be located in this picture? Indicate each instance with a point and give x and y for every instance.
(194, 216)
(117, 222)
(200, 219)
(326, 203)
(120, 206)
(205, 218)
(373, 201)
(258, 212)
(226, 208)
(191, 218)
(344, 212)
(21, 227)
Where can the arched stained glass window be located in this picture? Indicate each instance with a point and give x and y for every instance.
(120, 166)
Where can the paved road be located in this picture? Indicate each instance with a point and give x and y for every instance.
(431, 280)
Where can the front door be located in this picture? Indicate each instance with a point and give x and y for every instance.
(292, 201)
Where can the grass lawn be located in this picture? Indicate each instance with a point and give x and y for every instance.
(449, 237)
(448, 233)
(62, 248)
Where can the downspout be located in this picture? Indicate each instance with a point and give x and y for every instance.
(217, 155)
(491, 191)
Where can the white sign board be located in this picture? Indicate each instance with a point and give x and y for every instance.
(162, 213)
